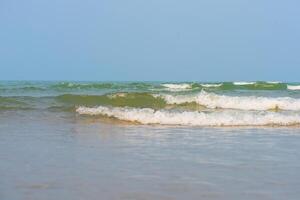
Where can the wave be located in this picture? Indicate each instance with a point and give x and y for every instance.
(211, 85)
(244, 83)
(191, 100)
(293, 87)
(71, 85)
(12, 103)
(22, 88)
(212, 100)
(273, 82)
(165, 117)
(57, 88)
(7, 108)
(140, 100)
(260, 85)
(177, 86)
(181, 86)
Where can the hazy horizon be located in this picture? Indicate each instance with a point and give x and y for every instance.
(153, 81)
(150, 41)
(159, 99)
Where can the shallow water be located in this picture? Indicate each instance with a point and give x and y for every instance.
(62, 155)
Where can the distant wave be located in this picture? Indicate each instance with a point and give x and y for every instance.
(243, 83)
(165, 117)
(181, 86)
(273, 82)
(23, 88)
(212, 100)
(293, 87)
(211, 85)
(76, 85)
(27, 89)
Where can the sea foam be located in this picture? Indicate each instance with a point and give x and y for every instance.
(210, 85)
(179, 86)
(273, 82)
(293, 87)
(243, 83)
(212, 100)
(166, 117)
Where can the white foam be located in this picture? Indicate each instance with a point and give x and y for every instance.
(181, 86)
(243, 83)
(224, 118)
(211, 85)
(211, 100)
(293, 87)
(273, 82)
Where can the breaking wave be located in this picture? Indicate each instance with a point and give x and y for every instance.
(188, 101)
(212, 100)
(243, 83)
(58, 88)
(211, 85)
(293, 87)
(274, 82)
(166, 117)
(176, 87)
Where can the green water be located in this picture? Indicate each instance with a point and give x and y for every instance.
(50, 150)
(34, 94)
(217, 103)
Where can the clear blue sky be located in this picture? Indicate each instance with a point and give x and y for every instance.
(190, 40)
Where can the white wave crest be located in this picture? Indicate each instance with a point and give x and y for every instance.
(211, 100)
(181, 86)
(211, 85)
(293, 87)
(225, 118)
(243, 83)
(273, 82)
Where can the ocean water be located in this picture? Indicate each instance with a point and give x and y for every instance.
(190, 104)
(149, 140)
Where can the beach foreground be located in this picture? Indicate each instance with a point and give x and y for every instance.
(50, 155)
(79, 140)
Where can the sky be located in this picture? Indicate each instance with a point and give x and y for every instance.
(150, 40)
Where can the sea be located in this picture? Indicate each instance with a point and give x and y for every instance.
(149, 140)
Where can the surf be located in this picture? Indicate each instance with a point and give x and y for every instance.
(214, 101)
(293, 87)
(188, 118)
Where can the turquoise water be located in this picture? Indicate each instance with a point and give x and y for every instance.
(188, 103)
(47, 88)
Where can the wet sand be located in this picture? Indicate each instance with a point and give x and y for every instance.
(55, 155)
